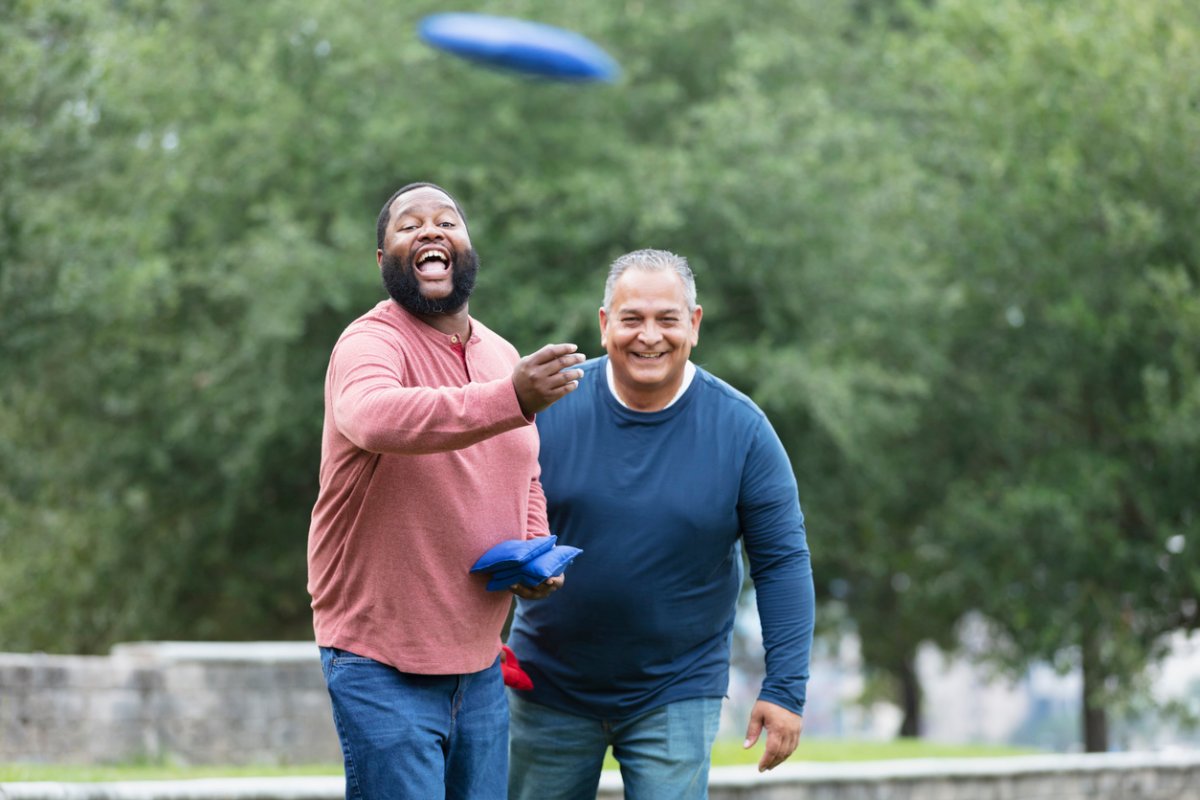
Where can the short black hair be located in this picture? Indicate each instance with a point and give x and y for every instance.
(385, 213)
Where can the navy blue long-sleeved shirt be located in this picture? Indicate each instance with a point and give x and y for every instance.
(660, 503)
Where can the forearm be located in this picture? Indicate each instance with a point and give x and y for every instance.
(418, 420)
(786, 609)
(777, 545)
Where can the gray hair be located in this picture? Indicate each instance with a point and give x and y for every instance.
(651, 261)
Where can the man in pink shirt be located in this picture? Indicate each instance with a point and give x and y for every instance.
(428, 458)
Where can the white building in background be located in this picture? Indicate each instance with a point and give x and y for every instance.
(963, 702)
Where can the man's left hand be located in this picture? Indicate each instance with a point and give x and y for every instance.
(543, 589)
(783, 733)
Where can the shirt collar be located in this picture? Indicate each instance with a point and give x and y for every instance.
(689, 372)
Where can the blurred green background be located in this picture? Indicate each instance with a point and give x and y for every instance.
(951, 248)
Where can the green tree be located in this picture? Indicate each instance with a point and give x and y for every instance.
(174, 259)
(219, 167)
(1066, 133)
(949, 247)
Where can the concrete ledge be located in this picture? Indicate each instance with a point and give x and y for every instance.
(915, 768)
(1107, 776)
(158, 653)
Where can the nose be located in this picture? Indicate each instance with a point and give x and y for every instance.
(649, 334)
(430, 230)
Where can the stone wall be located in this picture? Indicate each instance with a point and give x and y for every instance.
(265, 703)
(190, 703)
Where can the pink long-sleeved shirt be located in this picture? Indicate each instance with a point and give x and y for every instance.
(425, 464)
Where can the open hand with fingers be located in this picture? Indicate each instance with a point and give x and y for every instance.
(783, 733)
(543, 377)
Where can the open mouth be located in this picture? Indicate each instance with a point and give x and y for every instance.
(648, 356)
(432, 261)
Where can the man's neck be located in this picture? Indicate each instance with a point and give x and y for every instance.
(655, 399)
(457, 322)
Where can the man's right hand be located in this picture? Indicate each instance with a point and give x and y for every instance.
(543, 377)
(542, 590)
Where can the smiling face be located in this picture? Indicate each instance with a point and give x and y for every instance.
(426, 258)
(649, 334)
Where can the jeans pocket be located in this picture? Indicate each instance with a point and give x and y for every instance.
(333, 659)
(326, 662)
(346, 657)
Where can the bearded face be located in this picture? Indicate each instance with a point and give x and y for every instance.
(400, 280)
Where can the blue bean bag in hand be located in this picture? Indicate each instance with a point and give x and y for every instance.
(512, 553)
(543, 567)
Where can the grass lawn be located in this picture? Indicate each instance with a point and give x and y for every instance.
(725, 753)
(729, 752)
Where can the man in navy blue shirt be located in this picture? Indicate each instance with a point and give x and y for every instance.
(661, 473)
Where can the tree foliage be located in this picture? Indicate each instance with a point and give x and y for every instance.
(1066, 133)
(949, 247)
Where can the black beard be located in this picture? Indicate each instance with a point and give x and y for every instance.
(400, 280)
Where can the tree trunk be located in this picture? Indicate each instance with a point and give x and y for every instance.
(1095, 717)
(910, 699)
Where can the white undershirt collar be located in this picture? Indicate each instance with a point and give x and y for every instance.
(689, 372)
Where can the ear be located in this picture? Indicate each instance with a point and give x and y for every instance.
(603, 328)
(379, 258)
(696, 315)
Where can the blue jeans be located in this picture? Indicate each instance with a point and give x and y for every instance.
(663, 753)
(418, 736)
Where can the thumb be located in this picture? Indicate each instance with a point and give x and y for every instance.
(752, 731)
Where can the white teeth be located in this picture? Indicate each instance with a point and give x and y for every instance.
(433, 261)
